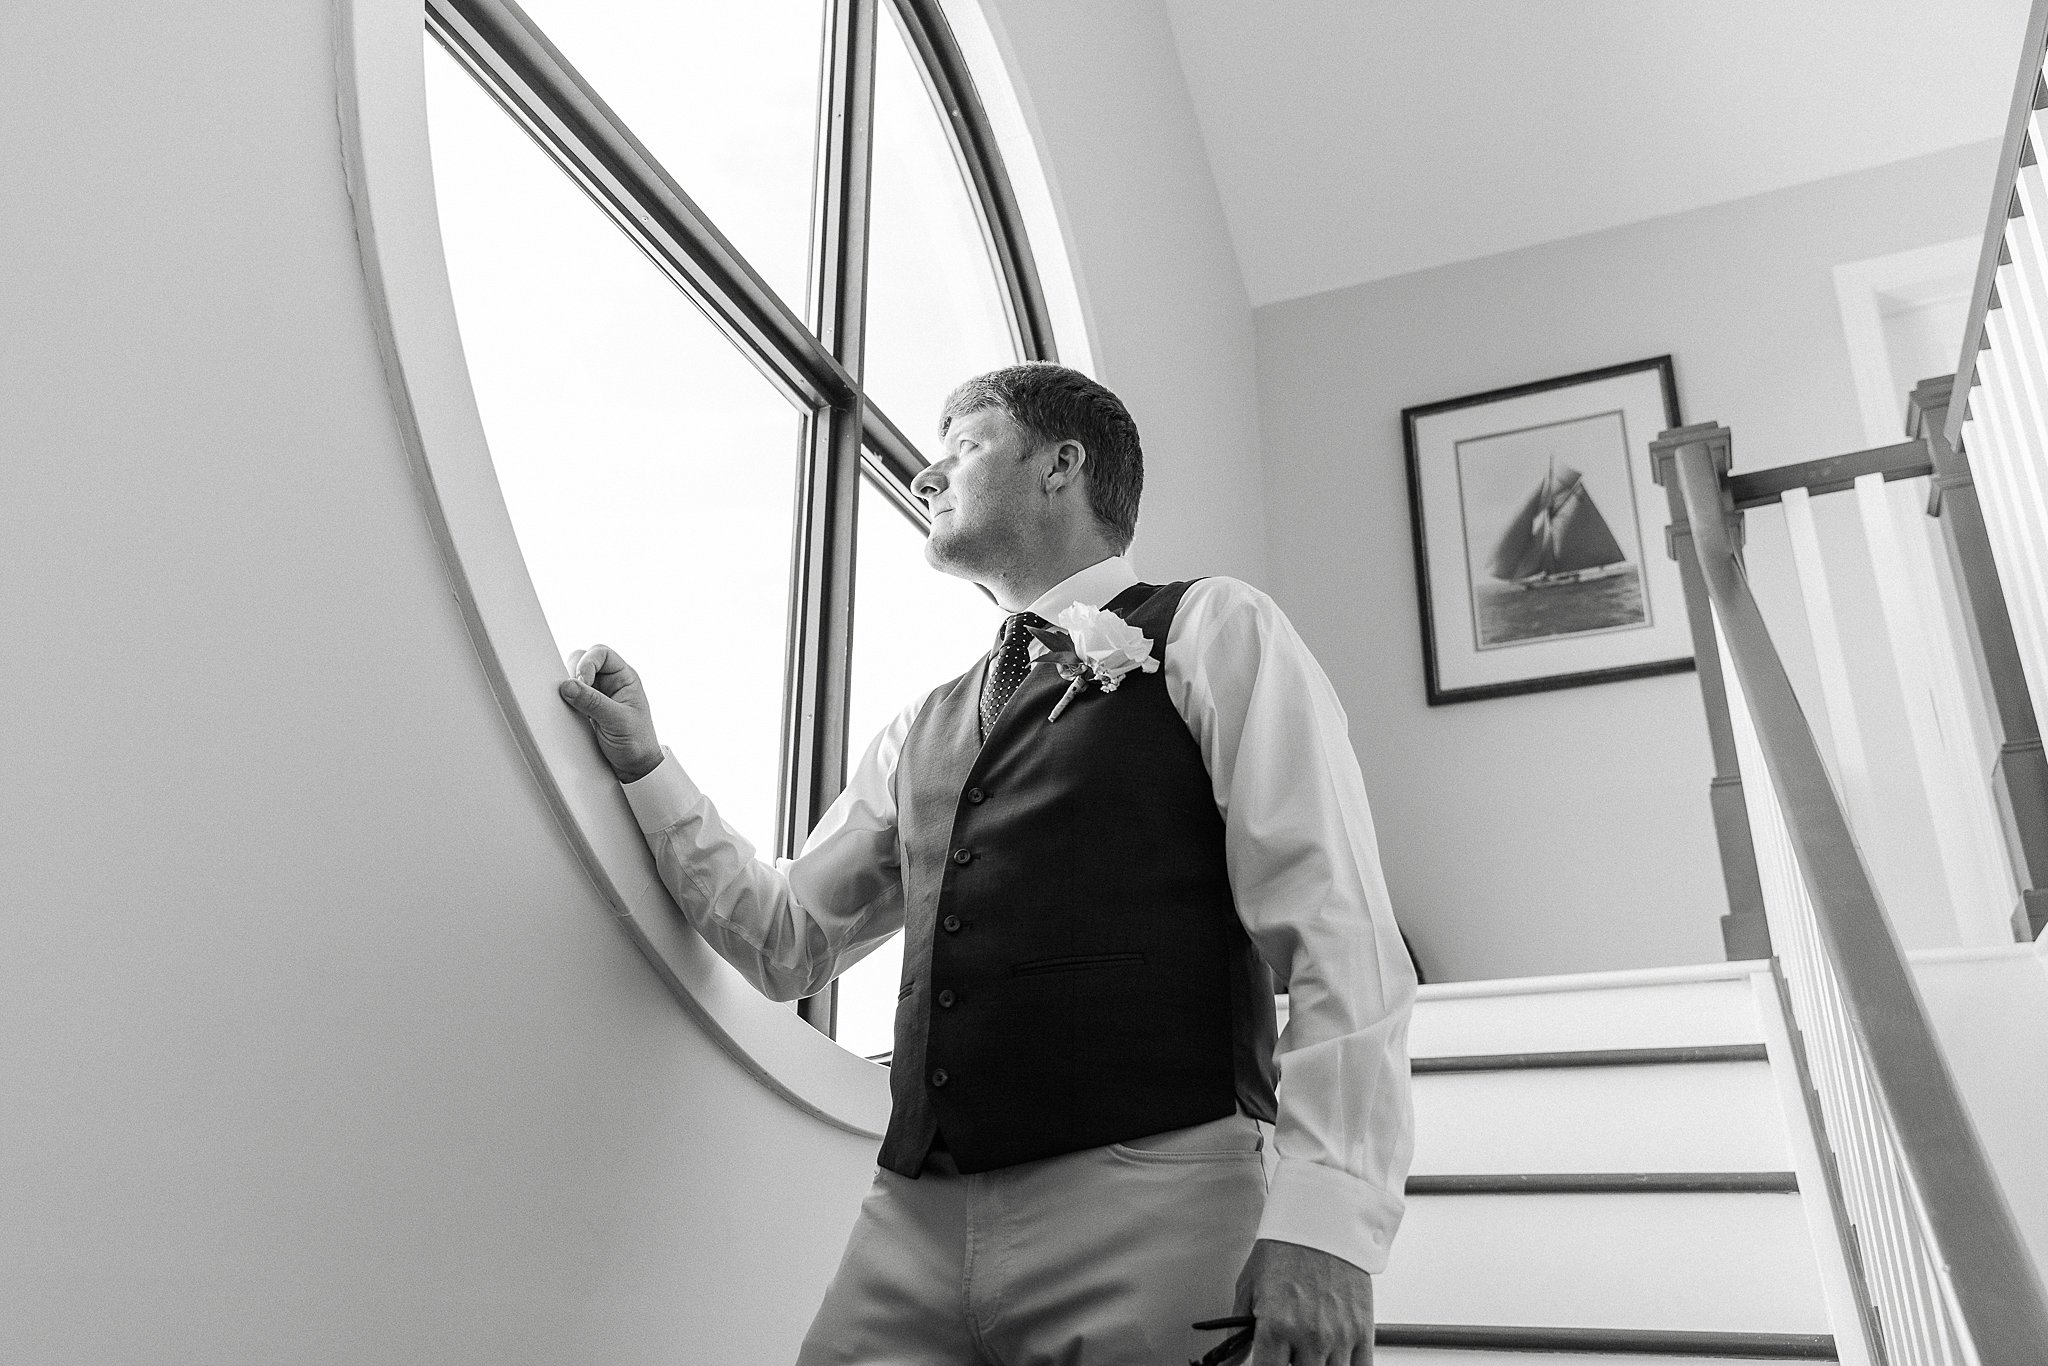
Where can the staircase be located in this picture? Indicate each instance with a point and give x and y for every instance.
(1614, 1166)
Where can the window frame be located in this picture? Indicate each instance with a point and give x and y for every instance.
(816, 361)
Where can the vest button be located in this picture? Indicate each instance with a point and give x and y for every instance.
(962, 855)
(946, 998)
(939, 1077)
(976, 795)
(952, 924)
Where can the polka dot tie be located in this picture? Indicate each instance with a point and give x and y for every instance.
(1008, 668)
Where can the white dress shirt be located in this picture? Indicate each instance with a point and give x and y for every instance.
(1304, 870)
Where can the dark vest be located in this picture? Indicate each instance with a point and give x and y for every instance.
(1074, 971)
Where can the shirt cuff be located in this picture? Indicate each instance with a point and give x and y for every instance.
(663, 797)
(1331, 1211)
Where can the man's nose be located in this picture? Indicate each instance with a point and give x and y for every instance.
(928, 483)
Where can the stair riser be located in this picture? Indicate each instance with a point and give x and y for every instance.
(1740, 1263)
(1665, 1015)
(1705, 1117)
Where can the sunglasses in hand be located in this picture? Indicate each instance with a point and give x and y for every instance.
(1234, 1348)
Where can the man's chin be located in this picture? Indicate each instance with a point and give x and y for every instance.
(963, 557)
(943, 555)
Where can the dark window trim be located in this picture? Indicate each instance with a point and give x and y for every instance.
(951, 86)
(817, 692)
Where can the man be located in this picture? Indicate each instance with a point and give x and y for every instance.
(1091, 901)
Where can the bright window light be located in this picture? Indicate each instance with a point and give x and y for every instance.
(935, 302)
(913, 629)
(648, 468)
(725, 97)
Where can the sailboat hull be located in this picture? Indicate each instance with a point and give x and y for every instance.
(1570, 576)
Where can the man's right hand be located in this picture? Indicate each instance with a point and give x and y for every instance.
(604, 688)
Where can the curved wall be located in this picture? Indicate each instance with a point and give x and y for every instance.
(322, 1044)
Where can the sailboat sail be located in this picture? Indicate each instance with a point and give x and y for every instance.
(1558, 531)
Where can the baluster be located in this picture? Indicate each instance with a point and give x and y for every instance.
(2006, 536)
(1831, 661)
(2022, 548)
(2019, 776)
(1964, 823)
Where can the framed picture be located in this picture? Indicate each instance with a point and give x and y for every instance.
(1539, 535)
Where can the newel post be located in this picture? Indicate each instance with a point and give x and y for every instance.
(2019, 776)
(1745, 934)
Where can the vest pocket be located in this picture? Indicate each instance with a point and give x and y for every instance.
(1077, 963)
(908, 987)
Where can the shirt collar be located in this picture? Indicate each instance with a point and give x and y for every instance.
(1093, 587)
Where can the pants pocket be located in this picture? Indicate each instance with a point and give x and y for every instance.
(1232, 1137)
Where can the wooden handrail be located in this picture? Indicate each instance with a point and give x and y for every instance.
(1998, 1293)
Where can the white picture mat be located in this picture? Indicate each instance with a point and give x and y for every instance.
(1639, 397)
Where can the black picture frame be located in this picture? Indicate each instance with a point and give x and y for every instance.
(1556, 626)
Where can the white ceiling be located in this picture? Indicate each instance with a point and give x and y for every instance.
(1356, 139)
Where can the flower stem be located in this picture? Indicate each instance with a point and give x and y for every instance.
(1068, 696)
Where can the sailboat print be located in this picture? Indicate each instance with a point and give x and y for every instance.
(1542, 559)
(1557, 537)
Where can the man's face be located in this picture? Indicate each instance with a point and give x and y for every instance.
(985, 495)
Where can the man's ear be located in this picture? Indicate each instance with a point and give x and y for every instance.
(1069, 459)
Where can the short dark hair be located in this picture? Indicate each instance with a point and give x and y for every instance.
(1054, 403)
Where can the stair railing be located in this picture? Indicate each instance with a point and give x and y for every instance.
(2019, 772)
(1992, 425)
(1948, 1275)
(1947, 659)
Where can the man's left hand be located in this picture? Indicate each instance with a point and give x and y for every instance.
(1314, 1309)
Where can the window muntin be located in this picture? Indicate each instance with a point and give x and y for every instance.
(725, 97)
(936, 309)
(647, 467)
(596, 145)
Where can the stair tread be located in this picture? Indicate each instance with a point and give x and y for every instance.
(1592, 1183)
(1665, 1341)
(1588, 1057)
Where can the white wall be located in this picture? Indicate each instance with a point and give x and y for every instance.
(320, 1045)
(1567, 830)
(1990, 1012)
(1170, 328)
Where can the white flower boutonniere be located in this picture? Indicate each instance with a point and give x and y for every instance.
(1094, 643)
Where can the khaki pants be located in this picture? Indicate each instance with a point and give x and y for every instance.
(1098, 1258)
